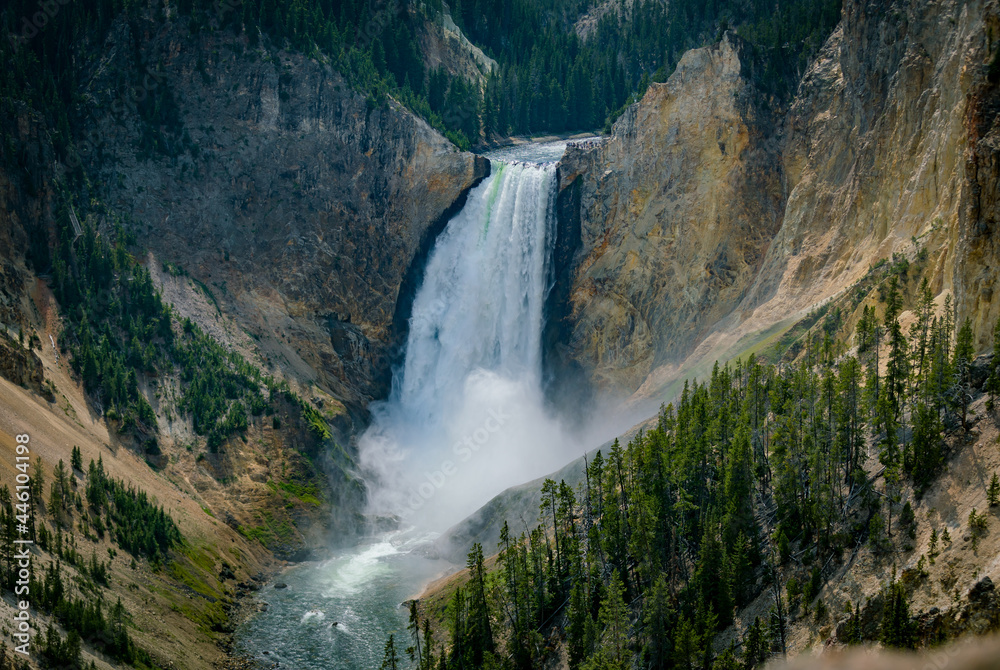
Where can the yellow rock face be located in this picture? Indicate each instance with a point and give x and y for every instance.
(742, 216)
(677, 208)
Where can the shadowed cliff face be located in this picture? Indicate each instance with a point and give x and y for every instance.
(979, 216)
(26, 195)
(704, 221)
(676, 210)
(298, 205)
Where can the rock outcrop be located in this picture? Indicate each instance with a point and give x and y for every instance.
(979, 215)
(444, 45)
(704, 223)
(874, 150)
(301, 206)
(676, 210)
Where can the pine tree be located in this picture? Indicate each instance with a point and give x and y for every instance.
(964, 355)
(897, 630)
(390, 659)
(756, 647)
(993, 381)
(37, 480)
(897, 367)
(479, 632)
(993, 492)
(549, 492)
(712, 588)
(926, 447)
(658, 619)
(414, 651)
(920, 332)
(428, 646)
(613, 621)
(459, 630)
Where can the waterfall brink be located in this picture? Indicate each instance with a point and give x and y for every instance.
(466, 416)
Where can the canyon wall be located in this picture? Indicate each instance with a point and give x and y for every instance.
(979, 215)
(675, 211)
(303, 208)
(713, 214)
(284, 212)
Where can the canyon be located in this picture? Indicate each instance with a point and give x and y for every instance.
(291, 218)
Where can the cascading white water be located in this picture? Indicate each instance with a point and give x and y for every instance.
(480, 305)
(466, 416)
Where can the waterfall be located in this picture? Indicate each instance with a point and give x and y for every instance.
(466, 416)
(480, 305)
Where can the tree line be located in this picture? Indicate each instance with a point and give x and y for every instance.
(547, 79)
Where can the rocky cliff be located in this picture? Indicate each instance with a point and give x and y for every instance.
(302, 208)
(26, 196)
(282, 211)
(675, 211)
(979, 213)
(875, 149)
(712, 218)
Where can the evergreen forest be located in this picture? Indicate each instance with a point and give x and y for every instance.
(758, 482)
(548, 78)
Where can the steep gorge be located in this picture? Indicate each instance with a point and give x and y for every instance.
(715, 221)
(290, 216)
(298, 204)
(286, 215)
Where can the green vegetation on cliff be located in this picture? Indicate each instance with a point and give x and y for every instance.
(122, 335)
(550, 79)
(137, 525)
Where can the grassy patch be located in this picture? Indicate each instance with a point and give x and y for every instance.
(270, 531)
(194, 569)
(196, 572)
(308, 494)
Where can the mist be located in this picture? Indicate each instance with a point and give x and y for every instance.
(498, 435)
